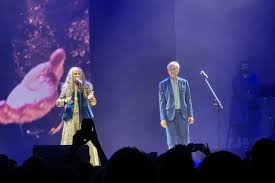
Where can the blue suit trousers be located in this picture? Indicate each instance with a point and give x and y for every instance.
(177, 131)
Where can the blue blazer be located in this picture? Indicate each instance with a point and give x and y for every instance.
(85, 109)
(167, 102)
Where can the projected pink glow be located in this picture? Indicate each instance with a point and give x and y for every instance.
(35, 96)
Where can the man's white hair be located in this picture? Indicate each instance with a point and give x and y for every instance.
(174, 63)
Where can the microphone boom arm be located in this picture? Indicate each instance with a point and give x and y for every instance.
(218, 106)
(214, 94)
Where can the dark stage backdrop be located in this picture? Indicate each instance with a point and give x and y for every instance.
(132, 42)
(215, 36)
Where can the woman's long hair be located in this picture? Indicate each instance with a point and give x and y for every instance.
(69, 83)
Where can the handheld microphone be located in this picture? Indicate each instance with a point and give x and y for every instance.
(204, 74)
(79, 82)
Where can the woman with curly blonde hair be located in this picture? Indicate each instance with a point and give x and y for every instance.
(77, 95)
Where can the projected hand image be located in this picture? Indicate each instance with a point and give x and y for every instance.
(35, 96)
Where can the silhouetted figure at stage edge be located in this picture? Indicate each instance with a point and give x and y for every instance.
(85, 134)
(244, 114)
(262, 159)
(222, 166)
(176, 164)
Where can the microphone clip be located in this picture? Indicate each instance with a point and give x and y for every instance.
(204, 74)
(79, 82)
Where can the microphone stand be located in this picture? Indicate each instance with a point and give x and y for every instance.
(218, 106)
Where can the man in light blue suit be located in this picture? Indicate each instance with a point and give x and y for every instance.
(176, 113)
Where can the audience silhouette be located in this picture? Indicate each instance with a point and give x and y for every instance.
(129, 164)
